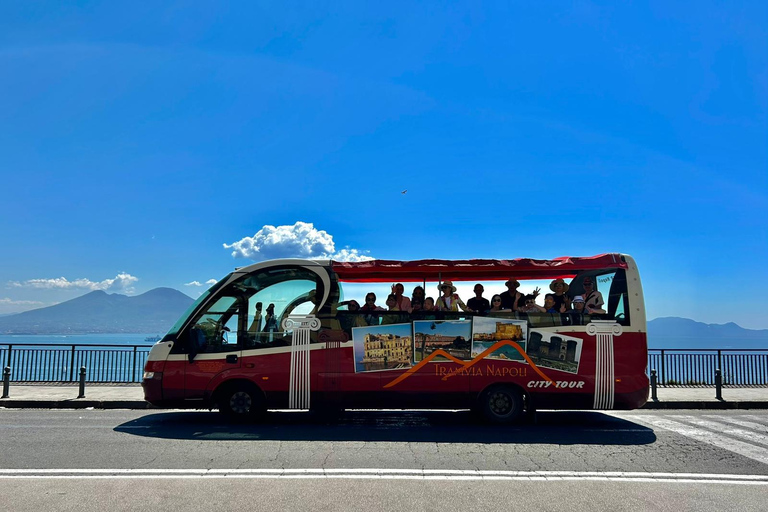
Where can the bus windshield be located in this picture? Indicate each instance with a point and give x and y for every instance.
(203, 296)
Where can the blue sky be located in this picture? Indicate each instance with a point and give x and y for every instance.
(136, 140)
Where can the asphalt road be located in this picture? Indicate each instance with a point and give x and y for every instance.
(145, 460)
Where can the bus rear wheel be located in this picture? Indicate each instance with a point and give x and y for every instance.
(502, 404)
(241, 402)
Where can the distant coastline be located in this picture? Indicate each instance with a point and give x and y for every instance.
(77, 339)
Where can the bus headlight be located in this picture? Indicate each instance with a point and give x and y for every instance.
(153, 375)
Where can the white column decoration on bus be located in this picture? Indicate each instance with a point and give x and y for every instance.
(299, 379)
(604, 363)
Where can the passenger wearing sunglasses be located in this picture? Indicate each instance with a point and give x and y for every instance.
(496, 305)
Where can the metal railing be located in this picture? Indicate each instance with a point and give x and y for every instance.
(698, 367)
(61, 362)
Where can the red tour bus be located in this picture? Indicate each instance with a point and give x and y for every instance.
(279, 335)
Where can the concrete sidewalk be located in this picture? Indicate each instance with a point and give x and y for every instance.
(131, 396)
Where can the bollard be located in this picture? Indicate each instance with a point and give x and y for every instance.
(654, 396)
(82, 382)
(718, 384)
(6, 381)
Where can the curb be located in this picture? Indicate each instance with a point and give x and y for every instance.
(141, 404)
(715, 404)
(74, 404)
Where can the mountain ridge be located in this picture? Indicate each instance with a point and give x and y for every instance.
(676, 332)
(99, 312)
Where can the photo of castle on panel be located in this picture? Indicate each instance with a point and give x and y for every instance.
(553, 350)
(489, 331)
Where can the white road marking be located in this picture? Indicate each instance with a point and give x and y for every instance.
(389, 474)
(749, 424)
(721, 441)
(719, 427)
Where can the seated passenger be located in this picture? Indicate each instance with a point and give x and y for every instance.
(496, 305)
(560, 288)
(578, 312)
(392, 303)
(550, 305)
(429, 304)
(593, 299)
(418, 293)
(450, 300)
(403, 303)
(510, 299)
(416, 305)
(369, 307)
(529, 305)
(392, 306)
(353, 319)
(478, 303)
(370, 303)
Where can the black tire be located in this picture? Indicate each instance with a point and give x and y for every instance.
(241, 402)
(502, 405)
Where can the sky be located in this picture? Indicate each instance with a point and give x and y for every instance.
(166, 143)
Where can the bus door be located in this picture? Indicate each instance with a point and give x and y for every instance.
(214, 345)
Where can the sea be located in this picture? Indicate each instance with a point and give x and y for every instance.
(80, 339)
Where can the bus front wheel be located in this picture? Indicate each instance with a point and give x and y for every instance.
(241, 401)
(502, 404)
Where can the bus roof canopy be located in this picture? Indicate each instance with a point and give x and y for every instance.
(471, 270)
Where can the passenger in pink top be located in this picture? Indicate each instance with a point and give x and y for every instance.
(403, 303)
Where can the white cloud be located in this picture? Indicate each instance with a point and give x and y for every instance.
(198, 283)
(11, 306)
(10, 302)
(121, 281)
(301, 240)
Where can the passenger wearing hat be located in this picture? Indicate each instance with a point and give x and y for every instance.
(449, 300)
(593, 299)
(513, 299)
(560, 287)
(576, 317)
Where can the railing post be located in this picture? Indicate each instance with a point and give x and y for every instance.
(6, 381)
(654, 396)
(82, 383)
(72, 364)
(718, 384)
(133, 366)
(663, 374)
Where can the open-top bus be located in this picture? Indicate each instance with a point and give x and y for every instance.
(308, 351)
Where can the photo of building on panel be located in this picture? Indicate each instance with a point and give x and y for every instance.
(488, 331)
(553, 350)
(451, 336)
(382, 347)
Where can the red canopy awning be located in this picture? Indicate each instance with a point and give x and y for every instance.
(471, 270)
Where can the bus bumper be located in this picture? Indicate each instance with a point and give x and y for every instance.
(152, 384)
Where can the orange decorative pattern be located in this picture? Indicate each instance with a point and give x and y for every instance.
(468, 364)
